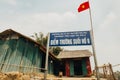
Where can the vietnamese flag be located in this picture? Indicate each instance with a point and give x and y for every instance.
(83, 6)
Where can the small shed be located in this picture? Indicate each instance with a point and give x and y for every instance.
(75, 63)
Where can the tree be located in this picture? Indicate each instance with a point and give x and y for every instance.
(56, 50)
(41, 39)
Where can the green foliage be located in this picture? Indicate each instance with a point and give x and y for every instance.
(56, 50)
(41, 39)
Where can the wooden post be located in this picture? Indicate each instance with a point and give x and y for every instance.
(111, 70)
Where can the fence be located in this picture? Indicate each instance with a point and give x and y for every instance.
(106, 71)
(21, 67)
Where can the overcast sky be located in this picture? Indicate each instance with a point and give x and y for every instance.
(30, 16)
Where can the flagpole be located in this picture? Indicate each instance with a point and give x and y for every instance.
(93, 46)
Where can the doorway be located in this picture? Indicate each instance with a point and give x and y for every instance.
(78, 68)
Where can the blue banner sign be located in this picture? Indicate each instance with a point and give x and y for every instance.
(70, 38)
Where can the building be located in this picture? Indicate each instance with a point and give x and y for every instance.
(75, 63)
(21, 53)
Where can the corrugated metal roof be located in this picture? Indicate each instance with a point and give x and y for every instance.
(74, 54)
(11, 32)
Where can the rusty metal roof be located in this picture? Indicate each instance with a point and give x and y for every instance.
(74, 54)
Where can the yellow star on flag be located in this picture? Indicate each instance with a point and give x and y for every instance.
(83, 6)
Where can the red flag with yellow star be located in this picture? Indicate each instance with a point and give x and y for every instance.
(83, 6)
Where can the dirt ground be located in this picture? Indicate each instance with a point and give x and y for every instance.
(27, 76)
(36, 76)
(22, 76)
